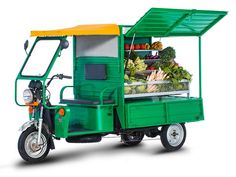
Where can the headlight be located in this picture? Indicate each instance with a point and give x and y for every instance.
(28, 96)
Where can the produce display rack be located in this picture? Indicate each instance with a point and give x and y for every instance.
(160, 93)
(141, 72)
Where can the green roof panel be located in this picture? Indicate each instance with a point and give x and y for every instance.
(158, 22)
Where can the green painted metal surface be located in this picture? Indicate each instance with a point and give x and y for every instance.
(160, 22)
(169, 110)
(200, 65)
(91, 89)
(62, 122)
(121, 101)
(82, 119)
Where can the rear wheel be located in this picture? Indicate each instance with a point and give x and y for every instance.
(133, 138)
(28, 148)
(173, 136)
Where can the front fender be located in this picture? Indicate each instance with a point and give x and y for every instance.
(27, 125)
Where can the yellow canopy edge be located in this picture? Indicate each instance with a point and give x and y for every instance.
(98, 29)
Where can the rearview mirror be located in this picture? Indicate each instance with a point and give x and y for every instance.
(64, 44)
(26, 44)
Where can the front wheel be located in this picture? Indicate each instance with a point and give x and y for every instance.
(28, 148)
(173, 136)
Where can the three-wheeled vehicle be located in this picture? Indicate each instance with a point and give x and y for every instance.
(100, 105)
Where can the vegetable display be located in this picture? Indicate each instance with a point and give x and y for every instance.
(167, 54)
(161, 75)
(135, 66)
(155, 76)
(157, 45)
(154, 46)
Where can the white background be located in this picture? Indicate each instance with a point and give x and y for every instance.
(210, 145)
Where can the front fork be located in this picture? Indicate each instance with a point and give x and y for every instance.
(40, 125)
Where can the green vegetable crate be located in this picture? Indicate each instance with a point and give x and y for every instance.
(123, 83)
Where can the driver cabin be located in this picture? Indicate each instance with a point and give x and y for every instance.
(98, 75)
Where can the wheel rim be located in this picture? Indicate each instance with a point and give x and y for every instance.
(175, 135)
(31, 147)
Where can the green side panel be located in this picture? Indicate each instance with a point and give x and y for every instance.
(169, 110)
(80, 120)
(185, 111)
(95, 119)
(91, 89)
(148, 114)
(62, 123)
(158, 22)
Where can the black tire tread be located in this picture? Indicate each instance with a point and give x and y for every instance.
(125, 139)
(165, 142)
(21, 144)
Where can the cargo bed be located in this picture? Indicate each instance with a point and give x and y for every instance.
(162, 110)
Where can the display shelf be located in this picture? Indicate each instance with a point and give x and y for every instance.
(141, 72)
(157, 94)
(153, 82)
(147, 61)
(155, 88)
(143, 50)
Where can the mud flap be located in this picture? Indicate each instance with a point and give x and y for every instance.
(52, 145)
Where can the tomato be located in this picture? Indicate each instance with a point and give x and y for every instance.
(132, 47)
(126, 46)
(142, 46)
(136, 46)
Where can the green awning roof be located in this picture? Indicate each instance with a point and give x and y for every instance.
(158, 22)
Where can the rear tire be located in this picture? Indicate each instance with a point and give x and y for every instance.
(133, 138)
(28, 148)
(173, 136)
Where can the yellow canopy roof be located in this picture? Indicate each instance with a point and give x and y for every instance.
(99, 29)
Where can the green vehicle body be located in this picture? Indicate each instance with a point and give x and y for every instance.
(124, 114)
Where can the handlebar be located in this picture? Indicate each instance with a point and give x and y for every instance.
(62, 76)
(59, 76)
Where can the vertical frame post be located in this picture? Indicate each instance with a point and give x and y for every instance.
(74, 64)
(200, 65)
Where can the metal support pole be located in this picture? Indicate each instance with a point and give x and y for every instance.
(200, 65)
(132, 43)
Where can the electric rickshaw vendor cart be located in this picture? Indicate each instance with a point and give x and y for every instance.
(100, 105)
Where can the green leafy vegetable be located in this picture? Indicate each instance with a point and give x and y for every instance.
(167, 54)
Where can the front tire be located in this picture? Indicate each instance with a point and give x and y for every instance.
(173, 136)
(28, 148)
(133, 138)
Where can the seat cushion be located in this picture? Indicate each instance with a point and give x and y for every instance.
(83, 101)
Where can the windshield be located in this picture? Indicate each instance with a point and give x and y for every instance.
(40, 58)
